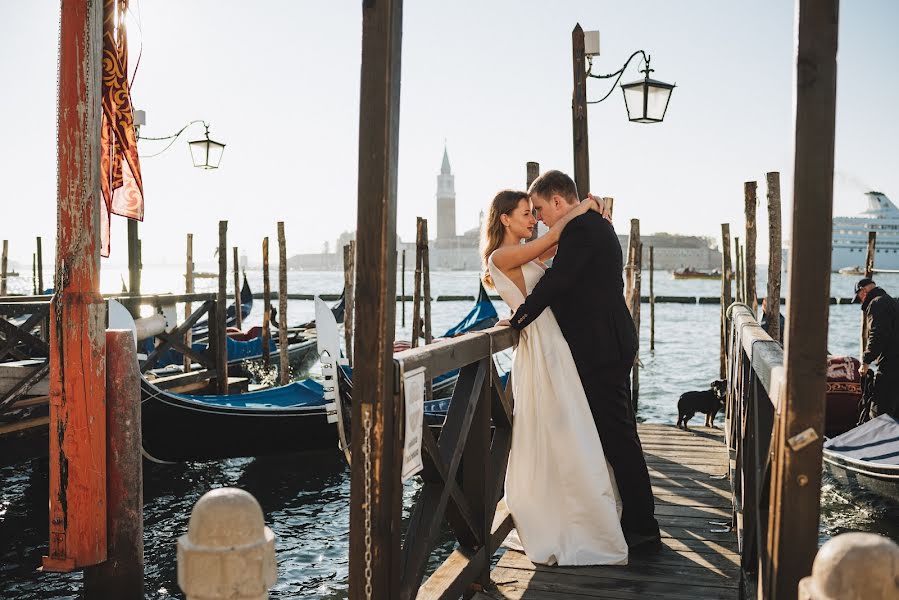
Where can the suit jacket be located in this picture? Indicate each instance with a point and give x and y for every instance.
(882, 314)
(585, 289)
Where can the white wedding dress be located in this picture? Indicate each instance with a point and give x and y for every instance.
(559, 487)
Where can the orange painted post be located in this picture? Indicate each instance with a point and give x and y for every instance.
(78, 313)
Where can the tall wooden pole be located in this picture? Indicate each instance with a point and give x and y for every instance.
(237, 304)
(3, 270)
(775, 254)
(796, 467)
(652, 302)
(426, 280)
(221, 318)
(34, 273)
(751, 201)
(635, 304)
(267, 307)
(377, 439)
(532, 171)
(188, 288)
(284, 364)
(403, 289)
(738, 266)
(579, 113)
(726, 298)
(40, 267)
(610, 206)
(630, 268)
(349, 276)
(416, 287)
(77, 478)
(869, 273)
(134, 258)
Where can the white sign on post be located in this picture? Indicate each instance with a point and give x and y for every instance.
(414, 396)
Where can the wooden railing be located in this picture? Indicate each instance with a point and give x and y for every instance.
(23, 340)
(464, 468)
(755, 377)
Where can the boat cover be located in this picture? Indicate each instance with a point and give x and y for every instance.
(482, 316)
(876, 441)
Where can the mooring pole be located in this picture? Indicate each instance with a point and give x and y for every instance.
(3, 270)
(750, 202)
(283, 343)
(237, 302)
(638, 281)
(77, 479)
(775, 254)
(221, 347)
(579, 113)
(532, 171)
(40, 267)
(795, 497)
(869, 273)
(738, 262)
(416, 289)
(725, 296)
(121, 576)
(188, 288)
(652, 302)
(267, 307)
(34, 273)
(376, 490)
(134, 259)
(403, 289)
(348, 279)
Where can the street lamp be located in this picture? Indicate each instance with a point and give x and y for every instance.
(646, 100)
(205, 152)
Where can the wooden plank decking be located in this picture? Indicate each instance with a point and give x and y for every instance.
(698, 560)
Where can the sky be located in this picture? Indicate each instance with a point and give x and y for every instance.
(279, 83)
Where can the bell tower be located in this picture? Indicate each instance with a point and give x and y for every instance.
(446, 201)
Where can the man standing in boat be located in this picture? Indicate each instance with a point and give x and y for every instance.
(881, 345)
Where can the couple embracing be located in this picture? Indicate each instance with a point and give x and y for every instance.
(576, 483)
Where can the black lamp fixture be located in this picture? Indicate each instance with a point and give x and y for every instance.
(205, 152)
(646, 100)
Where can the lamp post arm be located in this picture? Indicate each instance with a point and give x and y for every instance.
(174, 137)
(617, 74)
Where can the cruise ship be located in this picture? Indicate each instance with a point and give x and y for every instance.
(850, 235)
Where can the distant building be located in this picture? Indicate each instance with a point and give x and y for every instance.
(674, 251)
(451, 252)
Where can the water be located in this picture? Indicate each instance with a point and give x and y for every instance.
(305, 497)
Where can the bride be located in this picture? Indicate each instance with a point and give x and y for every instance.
(559, 489)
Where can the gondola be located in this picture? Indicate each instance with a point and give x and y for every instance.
(290, 418)
(201, 329)
(867, 457)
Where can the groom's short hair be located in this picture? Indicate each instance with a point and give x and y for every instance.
(554, 182)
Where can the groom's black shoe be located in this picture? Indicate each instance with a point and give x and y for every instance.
(642, 544)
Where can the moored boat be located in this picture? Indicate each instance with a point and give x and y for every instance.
(867, 457)
(691, 273)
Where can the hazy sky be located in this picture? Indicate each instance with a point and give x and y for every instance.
(279, 82)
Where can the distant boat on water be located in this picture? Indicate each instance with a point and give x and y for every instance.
(205, 275)
(691, 273)
(850, 237)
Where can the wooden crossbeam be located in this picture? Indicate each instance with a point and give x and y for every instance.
(174, 338)
(21, 388)
(22, 334)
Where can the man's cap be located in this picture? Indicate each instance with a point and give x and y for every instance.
(859, 286)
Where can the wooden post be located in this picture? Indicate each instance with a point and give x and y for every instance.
(348, 278)
(3, 271)
(795, 496)
(282, 306)
(738, 265)
(869, 273)
(122, 574)
(377, 438)
(532, 171)
(34, 273)
(426, 280)
(267, 307)
(221, 336)
(40, 267)
(630, 268)
(237, 303)
(188, 288)
(751, 201)
(134, 259)
(579, 113)
(725, 295)
(403, 289)
(635, 304)
(416, 290)
(77, 478)
(775, 254)
(652, 302)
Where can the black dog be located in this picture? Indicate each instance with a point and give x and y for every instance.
(709, 402)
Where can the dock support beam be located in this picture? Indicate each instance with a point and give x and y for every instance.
(579, 132)
(799, 427)
(775, 253)
(376, 491)
(78, 313)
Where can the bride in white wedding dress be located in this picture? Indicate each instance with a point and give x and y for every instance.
(559, 488)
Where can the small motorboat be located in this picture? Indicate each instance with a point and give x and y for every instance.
(691, 273)
(867, 457)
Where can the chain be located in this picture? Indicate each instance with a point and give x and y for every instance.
(366, 453)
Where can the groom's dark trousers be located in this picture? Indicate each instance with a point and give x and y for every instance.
(584, 288)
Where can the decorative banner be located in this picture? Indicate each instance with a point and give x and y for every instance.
(120, 178)
(414, 395)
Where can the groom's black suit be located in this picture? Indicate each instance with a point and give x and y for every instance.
(585, 291)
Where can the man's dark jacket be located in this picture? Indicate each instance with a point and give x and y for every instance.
(585, 290)
(882, 314)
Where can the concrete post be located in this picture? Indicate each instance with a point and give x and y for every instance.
(854, 566)
(227, 553)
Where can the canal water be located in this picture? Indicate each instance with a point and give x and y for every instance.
(305, 497)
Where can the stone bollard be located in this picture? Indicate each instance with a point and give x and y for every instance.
(854, 566)
(228, 553)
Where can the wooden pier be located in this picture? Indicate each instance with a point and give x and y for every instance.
(700, 558)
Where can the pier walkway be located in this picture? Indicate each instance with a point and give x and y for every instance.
(700, 558)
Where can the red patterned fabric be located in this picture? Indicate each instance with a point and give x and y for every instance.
(123, 191)
(844, 391)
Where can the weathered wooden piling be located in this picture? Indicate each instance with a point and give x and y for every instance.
(189, 289)
(3, 271)
(349, 277)
(416, 287)
(267, 306)
(635, 303)
(869, 273)
(77, 478)
(134, 258)
(532, 171)
(426, 281)
(796, 460)
(403, 288)
(377, 442)
(633, 241)
(40, 267)
(221, 341)
(282, 306)
(579, 132)
(738, 291)
(774, 253)
(725, 295)
(652, 302)
(237, 302)
(751, 201)
(121, 576)
(34, 273)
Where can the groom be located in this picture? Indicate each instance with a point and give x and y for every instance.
(585, 290)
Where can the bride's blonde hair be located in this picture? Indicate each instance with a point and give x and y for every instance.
(492, 233)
